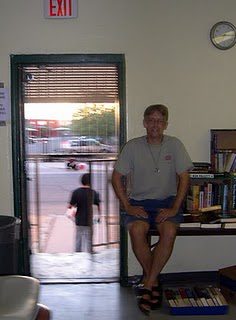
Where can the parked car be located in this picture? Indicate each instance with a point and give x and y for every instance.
(88, 145)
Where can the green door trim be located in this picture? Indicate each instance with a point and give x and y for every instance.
(18, 152)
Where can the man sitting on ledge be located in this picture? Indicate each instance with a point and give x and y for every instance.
(158, 166)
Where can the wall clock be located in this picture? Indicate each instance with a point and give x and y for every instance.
(223, 35)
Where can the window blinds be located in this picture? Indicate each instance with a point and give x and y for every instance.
(97, 83)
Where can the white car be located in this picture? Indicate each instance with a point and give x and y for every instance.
(88, 145)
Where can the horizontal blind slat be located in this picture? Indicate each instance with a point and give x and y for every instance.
(62, 83)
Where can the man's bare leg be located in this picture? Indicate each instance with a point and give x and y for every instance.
(138, 234)
(161, 255)
(162, 251)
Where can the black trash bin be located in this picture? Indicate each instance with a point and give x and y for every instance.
(8, 244)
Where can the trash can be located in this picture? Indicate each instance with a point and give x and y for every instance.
(9, 234)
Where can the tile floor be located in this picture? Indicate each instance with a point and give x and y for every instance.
(106, 301)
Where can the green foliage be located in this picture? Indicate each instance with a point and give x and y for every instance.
(94, 121)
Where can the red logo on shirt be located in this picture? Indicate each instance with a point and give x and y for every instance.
(168, 157)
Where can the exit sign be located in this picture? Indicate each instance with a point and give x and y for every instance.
(60, 9)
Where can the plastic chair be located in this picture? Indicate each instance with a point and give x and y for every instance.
(19, 299)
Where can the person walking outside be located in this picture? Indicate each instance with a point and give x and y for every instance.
(83, 198)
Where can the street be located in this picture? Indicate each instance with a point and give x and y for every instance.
(49, 188)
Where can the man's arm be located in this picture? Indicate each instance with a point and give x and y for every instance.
(122, 196)
(119, 188)
(183, 186)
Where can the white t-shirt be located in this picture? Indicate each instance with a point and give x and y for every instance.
(153, 168)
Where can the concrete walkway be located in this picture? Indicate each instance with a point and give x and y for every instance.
(58, 261)
(61, 238)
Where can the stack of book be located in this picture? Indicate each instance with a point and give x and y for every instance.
(196, 300)
(228, 222)
(201, 167)
(209, 220)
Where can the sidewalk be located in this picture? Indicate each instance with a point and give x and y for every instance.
(61, 237)
(58, 262)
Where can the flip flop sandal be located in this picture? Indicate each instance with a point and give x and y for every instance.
(157, 297)
(144, 304)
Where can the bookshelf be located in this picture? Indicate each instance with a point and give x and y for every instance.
(212, 190)
(223, 150)
(232, 191)
(208, 189)
(210, 185)
(217, 185)
(223, 160)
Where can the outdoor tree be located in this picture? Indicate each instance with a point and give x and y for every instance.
(94, 121)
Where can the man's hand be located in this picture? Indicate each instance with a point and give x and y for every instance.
(136, 211)
(165, 213)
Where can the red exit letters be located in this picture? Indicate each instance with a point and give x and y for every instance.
(61, 8)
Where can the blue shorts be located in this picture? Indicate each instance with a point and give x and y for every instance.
(152, 206)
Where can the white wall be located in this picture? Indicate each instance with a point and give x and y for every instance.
(169, 59)
(195, 253)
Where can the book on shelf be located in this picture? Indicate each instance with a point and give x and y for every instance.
(201, 167)
(195, 195)
(225, 197)
(229, 225)
(190, 224)
(201, 175)
(233, 193)
(208, 194)
(211, 225)
(204, 220)
(233, 168)
(201, 197)
(222, 219)
(190, 221)
(220, 160)
(229, 163)
(228, 219)
(210, 208)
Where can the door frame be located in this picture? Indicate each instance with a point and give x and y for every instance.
(18, 138)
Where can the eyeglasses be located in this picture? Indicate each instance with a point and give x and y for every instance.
(156, 121)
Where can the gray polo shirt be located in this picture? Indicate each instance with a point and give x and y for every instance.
(153, 168)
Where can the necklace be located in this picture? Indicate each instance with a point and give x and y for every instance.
(155, 161)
